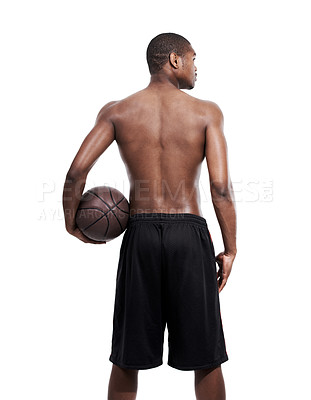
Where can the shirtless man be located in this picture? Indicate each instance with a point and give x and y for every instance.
(164, 135)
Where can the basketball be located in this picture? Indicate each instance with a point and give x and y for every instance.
(102, 213)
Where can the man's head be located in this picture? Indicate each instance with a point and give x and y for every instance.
(172, 52)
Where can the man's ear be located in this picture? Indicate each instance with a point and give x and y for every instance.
(174, 60)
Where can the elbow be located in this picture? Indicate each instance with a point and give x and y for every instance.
(220, 190)
(75, 174)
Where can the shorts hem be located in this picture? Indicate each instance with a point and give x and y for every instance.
(146, 366)
(209, 365)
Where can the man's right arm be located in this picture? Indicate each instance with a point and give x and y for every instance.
(216, 153)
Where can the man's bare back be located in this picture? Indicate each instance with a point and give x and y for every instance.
(160, 132)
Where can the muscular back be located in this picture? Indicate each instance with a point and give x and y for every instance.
(160, 134)
(163, 135)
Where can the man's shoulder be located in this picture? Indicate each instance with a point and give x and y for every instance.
(105, 111)
(207, 104)
(211, 105)
(214, 111)
(208, 108)
(116, 106)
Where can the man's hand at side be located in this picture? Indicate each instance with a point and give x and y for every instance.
(224, 262)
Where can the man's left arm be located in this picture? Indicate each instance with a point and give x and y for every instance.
(95, 143)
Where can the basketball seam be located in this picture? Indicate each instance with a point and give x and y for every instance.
(108, 224)
(92, 208)
(105, 214)
(96, 221)
(113, 212)
(105, 202)
(116, 204)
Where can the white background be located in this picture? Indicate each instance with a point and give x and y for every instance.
(61, 62)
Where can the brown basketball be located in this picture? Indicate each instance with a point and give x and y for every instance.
(103, 213)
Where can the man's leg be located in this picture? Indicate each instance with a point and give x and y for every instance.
(122, 383)
(209, 384)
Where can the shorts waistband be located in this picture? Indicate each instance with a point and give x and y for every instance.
(167, 217)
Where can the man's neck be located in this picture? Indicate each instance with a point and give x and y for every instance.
(164, 79)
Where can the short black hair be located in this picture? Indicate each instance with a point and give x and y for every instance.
(161, 46)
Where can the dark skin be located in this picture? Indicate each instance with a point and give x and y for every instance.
(163, 136)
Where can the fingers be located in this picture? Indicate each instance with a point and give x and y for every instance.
(80, 235)
(225, 265)
(221, 283)
(87, 240)
(92, 241)
(222, 277)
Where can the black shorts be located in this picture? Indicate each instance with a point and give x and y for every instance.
(167, 275)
